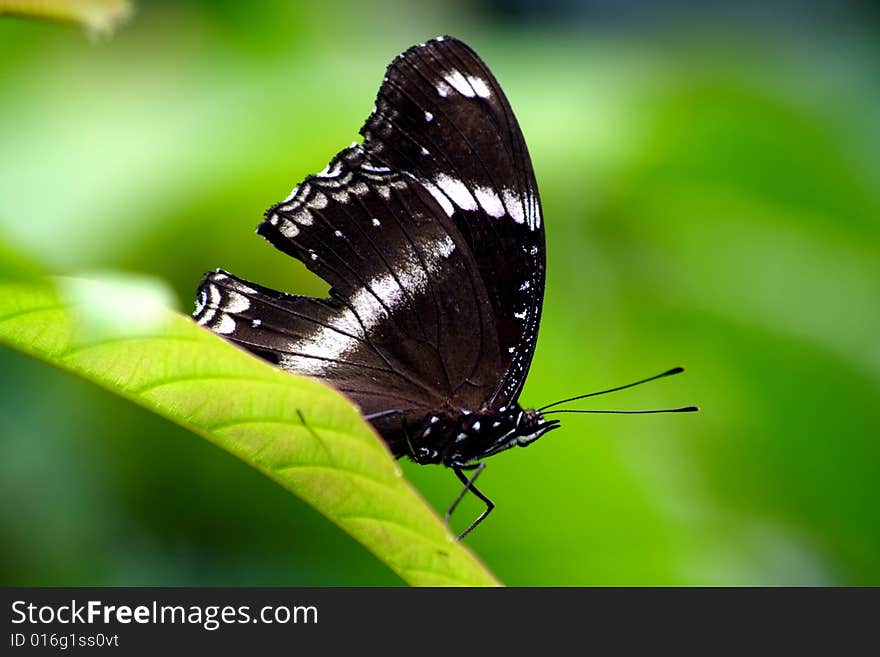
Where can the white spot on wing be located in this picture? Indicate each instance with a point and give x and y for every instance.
(236, 303)
(318, 201)
(534, 212)
(457, 80)
(445, 247)
(256, 322)
(513, 205)
(387, 289)
(289, 229)
(490, 201)
(429, 117)
(200, 301)
(329, 172)
(457, 191)
(440, 197)
(303, 217)
(443, 89)
(376, 222)
(226, 325)
(211, 299)
(480, 86)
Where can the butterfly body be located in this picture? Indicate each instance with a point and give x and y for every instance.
(461, 439)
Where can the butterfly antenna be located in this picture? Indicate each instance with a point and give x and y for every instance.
(683, 409)
(674, 370)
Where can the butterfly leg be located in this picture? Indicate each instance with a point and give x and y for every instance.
(314, 433)
(469, 486)
(377, 415)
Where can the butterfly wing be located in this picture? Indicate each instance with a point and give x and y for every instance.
(430, 235)
(442, 117)
(407, 326)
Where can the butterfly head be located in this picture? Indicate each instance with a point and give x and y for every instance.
(460, 439)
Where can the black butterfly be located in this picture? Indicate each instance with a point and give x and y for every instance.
(431, 236)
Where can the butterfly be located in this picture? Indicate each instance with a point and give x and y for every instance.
(431, 236)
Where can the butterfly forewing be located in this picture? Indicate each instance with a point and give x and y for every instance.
(442, 117)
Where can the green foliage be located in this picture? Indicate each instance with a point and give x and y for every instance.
(95, 16)
(182, 372)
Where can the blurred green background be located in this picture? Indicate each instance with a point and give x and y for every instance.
(710, 186)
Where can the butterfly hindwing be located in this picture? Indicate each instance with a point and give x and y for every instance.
(319, 337)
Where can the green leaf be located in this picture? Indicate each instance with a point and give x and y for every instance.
(183, 372)
(97, 17)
